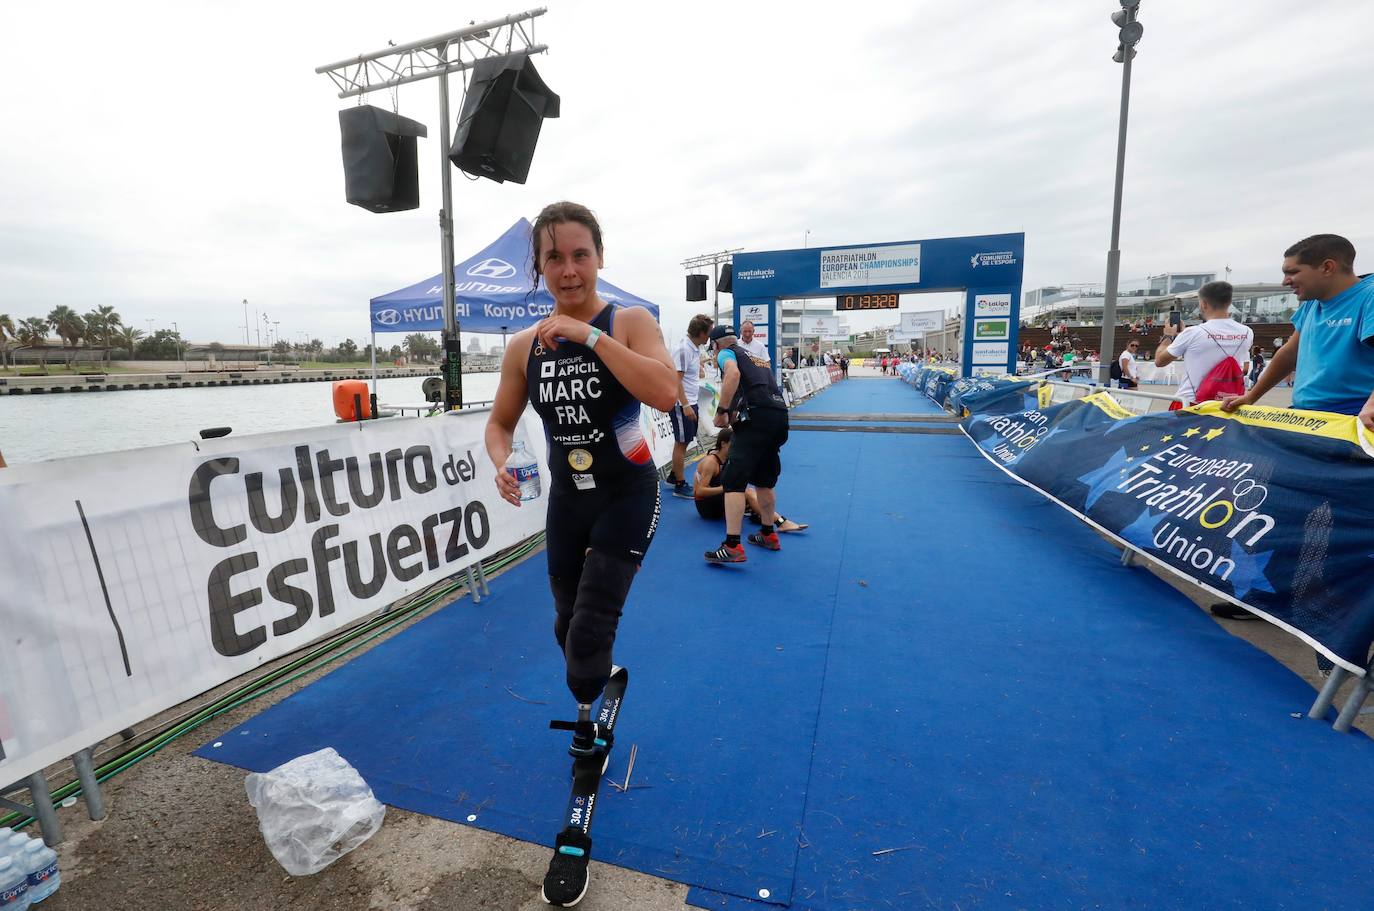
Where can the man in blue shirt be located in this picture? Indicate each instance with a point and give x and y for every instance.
(1332, 346)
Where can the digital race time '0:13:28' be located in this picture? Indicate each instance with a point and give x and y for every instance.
(866, 302)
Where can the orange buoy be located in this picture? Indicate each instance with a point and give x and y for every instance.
(350, 398)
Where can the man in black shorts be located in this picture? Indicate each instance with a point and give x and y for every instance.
(753, 406)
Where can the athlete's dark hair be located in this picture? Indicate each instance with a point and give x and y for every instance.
(699, 324)
(1218, 294)
(562, 213)
(1315, 250)
(723, 438)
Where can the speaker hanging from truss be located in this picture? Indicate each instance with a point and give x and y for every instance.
(503, 111)
(381, 172)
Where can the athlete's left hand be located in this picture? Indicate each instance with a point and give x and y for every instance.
(550, 330)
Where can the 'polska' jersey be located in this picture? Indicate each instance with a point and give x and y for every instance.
(590, 419)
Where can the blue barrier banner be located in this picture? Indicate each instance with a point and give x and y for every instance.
(931, 380)
(989, 394)
(1269, 508)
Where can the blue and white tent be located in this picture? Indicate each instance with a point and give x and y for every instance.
(492, 291)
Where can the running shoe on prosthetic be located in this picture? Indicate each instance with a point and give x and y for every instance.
(566, 881)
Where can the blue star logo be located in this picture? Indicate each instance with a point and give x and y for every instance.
(1125, 422)
(1104, 478)
(1249, 575)
(1141, 532)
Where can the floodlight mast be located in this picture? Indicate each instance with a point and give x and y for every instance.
(425, 59)
(1128, 36)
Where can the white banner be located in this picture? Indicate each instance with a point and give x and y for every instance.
(990, 353)
(753, 313)
(923, 322)
(827, 327)
(133, 581)
(992, 305)
(862, 267)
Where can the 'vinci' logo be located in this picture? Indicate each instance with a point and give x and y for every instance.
(491, 268)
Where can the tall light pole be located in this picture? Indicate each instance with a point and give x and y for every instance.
(177, 330)
(267, 325)
(245, 322)
(1129, 35)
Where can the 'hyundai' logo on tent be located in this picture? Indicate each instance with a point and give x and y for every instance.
(388, 317)
(492, 268)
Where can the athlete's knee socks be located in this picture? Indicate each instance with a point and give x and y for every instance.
(590, 637)
(564, 599)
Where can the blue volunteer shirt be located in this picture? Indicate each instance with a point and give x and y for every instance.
(1336, 351)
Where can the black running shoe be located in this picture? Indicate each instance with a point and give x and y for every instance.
(727, 554)
(566, 881)
(1231, 611)
(769, 541)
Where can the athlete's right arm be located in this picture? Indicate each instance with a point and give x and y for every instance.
(704, 481)
(1284, 362)
(509, 404)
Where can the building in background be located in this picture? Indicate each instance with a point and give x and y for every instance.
(1151, 298)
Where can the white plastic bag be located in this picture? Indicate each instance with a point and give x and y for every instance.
(313, 810)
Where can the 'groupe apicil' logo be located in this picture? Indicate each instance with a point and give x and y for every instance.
(491, 268)
(388, 317)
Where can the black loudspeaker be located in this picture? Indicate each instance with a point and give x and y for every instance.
(726, 280)
(503, 110)
(381, 173)
(696, 287)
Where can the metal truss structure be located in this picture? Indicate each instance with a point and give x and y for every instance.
(441, 54)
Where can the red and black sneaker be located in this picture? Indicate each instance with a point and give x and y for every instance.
(769, 541)
(727, 554)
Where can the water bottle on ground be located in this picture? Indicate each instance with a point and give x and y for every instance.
(524, 467)
(40, 867)
(14, 886)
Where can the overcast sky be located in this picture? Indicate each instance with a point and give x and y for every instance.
(173, 159)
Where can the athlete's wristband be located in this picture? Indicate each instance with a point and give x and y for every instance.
(592, 336)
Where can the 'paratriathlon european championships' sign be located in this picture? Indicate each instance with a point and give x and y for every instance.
(861, 267)
(1269, 507)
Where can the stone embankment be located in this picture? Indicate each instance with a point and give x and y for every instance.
(96, 382)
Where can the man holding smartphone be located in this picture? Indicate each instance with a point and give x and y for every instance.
(1204, 346)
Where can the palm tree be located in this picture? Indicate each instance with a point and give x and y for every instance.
(69, 326)
(101, 325)
(6, 333)
(33, 333)
(127, 338)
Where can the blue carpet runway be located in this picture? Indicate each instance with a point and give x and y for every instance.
(947, 694)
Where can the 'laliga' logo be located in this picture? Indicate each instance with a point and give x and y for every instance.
(492, 268)
(388, 317)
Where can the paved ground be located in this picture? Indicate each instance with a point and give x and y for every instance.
(181, 836)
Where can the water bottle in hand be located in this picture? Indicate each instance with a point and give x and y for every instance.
(524, 467)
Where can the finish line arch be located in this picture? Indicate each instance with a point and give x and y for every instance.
(986, 268)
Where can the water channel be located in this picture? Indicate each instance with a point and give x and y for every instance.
(51, 426)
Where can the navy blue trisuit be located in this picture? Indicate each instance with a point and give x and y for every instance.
(603, 499)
